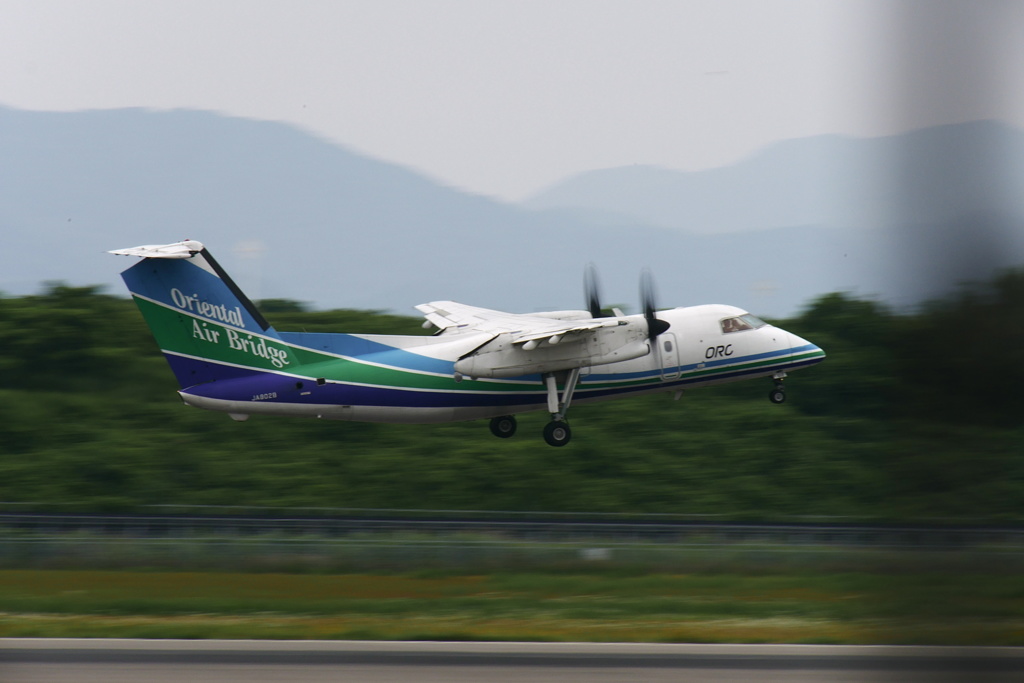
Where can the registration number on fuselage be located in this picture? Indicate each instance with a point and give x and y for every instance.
(264, 397)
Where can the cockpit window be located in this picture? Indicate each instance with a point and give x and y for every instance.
(741, 323)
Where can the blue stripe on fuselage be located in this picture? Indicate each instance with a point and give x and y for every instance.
(273, 387)
(191, 371)
(367, 350)
(269, 387)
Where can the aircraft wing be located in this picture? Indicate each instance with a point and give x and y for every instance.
(524, 328)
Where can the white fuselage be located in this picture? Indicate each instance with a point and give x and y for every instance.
(697, 350)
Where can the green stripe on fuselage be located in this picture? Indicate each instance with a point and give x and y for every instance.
(183, 334)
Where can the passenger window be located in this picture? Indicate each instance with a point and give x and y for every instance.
(668, 346)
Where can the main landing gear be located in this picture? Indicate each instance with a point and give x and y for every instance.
(778, 394)
(557, 432)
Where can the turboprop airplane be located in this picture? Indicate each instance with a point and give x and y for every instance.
(480, 364)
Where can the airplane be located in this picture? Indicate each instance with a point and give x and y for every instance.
(479, 364)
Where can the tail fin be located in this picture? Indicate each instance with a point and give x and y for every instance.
(206, 327)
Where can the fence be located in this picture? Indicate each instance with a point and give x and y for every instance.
(403, 540)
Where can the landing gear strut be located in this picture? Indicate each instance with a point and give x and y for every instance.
(557, 432)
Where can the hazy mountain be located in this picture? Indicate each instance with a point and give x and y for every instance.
(919, 211)
(926, 176)
(295, 216)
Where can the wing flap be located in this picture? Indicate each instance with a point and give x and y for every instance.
(564, 332)
(524, 328)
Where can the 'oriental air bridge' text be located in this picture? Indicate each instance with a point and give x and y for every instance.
(193, 304)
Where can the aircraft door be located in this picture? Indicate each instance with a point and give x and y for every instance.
(668, 356)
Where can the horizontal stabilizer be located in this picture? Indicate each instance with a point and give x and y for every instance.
(184, 249)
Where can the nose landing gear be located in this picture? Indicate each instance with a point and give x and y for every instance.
(778, 394)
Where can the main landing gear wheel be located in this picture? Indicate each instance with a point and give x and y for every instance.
(557, 433)
(503, 427)
(778, 394)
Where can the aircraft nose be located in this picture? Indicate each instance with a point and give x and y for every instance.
(798, 346)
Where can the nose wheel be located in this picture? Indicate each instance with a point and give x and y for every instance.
(778, 394)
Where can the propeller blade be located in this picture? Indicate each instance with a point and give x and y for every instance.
(592, 291)
(647, 302)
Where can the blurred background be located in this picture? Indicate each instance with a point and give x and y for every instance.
(850, 170)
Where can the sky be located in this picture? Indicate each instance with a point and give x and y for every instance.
(504, 98)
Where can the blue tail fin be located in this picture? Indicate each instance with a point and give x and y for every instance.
(206, 327)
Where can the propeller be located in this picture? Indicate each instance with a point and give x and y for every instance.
(654, 325)
(592, 291)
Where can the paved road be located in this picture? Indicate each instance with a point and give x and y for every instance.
(163, 661)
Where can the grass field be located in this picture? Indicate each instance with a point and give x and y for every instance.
(922, 608)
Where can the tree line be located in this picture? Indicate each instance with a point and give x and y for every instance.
(914, 415)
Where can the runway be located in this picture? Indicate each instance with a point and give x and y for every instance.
(31, 660)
